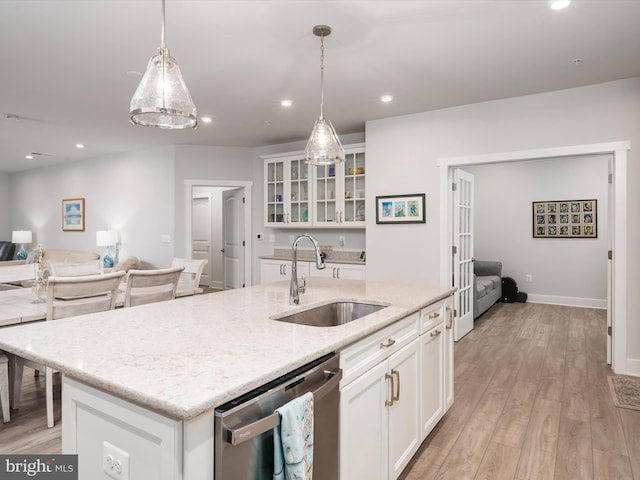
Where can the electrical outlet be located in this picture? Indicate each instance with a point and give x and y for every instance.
(115, 462)
(342, 240)
(529, 278)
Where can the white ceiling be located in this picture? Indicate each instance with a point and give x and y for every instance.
(65, 64)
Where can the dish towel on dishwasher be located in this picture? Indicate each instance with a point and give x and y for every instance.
(293, 440)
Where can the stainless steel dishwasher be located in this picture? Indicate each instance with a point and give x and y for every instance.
(244, 427)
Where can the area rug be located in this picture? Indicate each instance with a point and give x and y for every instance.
(625, 391)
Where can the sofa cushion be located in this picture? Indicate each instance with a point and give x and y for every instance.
(483, 286)
(496, 280)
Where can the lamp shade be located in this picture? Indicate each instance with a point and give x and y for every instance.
(106, 238)
(162, 99)
(323, 147)
(21, 236)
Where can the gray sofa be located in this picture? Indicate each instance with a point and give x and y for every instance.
(487, 284)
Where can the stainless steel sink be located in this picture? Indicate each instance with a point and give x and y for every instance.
(331, 314)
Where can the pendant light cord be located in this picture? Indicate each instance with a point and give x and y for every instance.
(321, 74)
(163, 47)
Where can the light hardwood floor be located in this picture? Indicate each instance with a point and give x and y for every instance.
(532, 402)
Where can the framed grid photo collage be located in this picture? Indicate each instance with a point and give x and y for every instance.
(565, 219)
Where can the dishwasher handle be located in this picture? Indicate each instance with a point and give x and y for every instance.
(236, 436)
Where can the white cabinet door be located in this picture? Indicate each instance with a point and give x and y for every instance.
(432, 378)
(345, 271)
(278, 270)
(363, 426)
(404, 413)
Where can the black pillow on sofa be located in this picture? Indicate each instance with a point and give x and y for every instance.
(7, 249)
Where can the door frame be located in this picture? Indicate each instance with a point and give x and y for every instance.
(618, 151)
(247, 186)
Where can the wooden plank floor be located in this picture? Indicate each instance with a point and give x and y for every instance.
(532, 402)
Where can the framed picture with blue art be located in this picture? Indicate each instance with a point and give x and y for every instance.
(401, 208)
(73, 215)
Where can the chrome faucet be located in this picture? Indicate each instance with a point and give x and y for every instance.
(295, 290)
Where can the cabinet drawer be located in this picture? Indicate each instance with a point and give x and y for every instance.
(366, 353)
(431, 315)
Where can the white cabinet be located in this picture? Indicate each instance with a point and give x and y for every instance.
(379, 402)
(297, 195)
(397, 384)
(345, 271)
(278, 270)
(432, 378)
(287, 191)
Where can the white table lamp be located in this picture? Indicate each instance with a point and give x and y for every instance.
(107, 238)
(21, 237)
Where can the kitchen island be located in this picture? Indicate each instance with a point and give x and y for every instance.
(174, 362)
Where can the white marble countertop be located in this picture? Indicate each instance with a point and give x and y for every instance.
(189, 355)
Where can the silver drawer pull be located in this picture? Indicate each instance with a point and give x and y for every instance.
(389, 343)
(434, 315)
(436, 333)
(452, 313)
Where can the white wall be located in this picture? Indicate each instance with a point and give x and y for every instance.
(130, 192)
(5, 229)
(402, 153)
(571, 271)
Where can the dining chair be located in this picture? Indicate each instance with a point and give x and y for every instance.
(149, 286)
(67, 297)
(73, 269)
(189, 282)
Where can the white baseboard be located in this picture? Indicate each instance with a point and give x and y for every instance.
(633, 367)
(569, 301)
(215, 284)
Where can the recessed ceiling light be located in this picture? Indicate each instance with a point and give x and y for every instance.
(286, 103)
(79, 145)
(206, 119)
(386, 98)
(29, 157)
(558, 4)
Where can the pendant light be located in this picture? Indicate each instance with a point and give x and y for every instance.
(162, 99)
(323, 147)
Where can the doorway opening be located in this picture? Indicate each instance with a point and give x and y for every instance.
(218, 228)
(617, 285)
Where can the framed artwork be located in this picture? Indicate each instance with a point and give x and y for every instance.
(73, 215)
(401, 208)
(565, 219)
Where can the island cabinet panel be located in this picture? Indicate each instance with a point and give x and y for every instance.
(432, 378)
(448, 353)
(149, 445)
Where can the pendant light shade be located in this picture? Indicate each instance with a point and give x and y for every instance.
(162, 99)
(323, 147)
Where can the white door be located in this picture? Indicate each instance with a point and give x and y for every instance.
(201, 235)
(463, 252)
(233, 238)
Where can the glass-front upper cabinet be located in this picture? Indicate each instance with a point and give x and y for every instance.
(287, 191)
(299, 195)
(354, 191)
(340, 191)
(299, 192)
